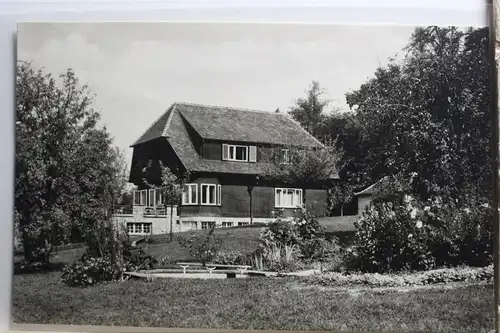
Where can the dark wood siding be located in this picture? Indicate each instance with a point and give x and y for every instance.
(316, 201)
(212, 151)
(236, 202)
(150, 153)
(198, 210)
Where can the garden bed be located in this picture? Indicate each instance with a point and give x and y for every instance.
(437, 276)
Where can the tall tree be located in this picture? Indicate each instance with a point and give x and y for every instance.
(427, 117)
(65, 162)
(308, 111)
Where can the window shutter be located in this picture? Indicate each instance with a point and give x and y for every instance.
(225, 151)
(253, 154)
(219, 194)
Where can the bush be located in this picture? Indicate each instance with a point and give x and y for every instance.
(286, 244)
(231, 258)
(282, 258)
(88, 271)
(415, 235)
(201, 247)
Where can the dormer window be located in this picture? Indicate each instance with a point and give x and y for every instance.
(239, 153)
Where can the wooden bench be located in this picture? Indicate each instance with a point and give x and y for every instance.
(211, 267)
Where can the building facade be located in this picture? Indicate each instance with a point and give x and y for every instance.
(223, 153)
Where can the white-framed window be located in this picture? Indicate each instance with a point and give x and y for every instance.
(190, 194)
(141, 197)
(151, 198)
(159, 200)
(208, 194)
(285, 156)
(207, 224)
(240, 224)
(227, 224)
(234, 153)
(287, 198)
(219, 195)
(134, 228)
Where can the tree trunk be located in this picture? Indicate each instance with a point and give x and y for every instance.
(250, 189)
(494, 73)
(171, 222)
(304, 198)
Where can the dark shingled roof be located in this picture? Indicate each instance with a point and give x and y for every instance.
(222, 123)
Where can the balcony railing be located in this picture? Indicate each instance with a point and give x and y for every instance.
(144, 210)
(155, 211)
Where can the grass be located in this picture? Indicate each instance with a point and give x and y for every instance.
(244, 238)
(266, 303)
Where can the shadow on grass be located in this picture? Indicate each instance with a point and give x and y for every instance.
(23, 268)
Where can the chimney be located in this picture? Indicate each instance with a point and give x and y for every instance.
(277, 110)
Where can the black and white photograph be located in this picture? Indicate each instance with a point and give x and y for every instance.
(255, 176)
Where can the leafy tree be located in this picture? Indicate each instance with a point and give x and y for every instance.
(170, 188)
(66, 167)
(304, 167)
(429, 115)
(308, 111)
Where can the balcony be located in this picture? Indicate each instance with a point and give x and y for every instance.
(154, 211)
(141, 210)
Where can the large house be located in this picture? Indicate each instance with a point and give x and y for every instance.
(224, 150)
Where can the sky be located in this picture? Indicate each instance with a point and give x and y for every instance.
(137, 70)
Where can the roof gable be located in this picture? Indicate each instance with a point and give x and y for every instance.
(157, 129)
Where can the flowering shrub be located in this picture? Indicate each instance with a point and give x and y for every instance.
(415, 235)
(203, 247)
(392, 237)
(285, 243)
(88, 271)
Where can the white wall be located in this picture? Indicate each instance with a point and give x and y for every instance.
(160, 223)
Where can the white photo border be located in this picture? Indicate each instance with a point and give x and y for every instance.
(358, 12)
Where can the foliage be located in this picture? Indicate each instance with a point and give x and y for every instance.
(91, 269)
(232, 257)
(202, 247)
(430, 114)
(305, 167)
(444, 275)
(417, 235)
(65, 167)
(285, 242)
(281, 257)
(308, 112)
(88, 271)
(170, 188)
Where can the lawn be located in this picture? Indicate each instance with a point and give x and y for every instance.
(257, 303)
(244, 239)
